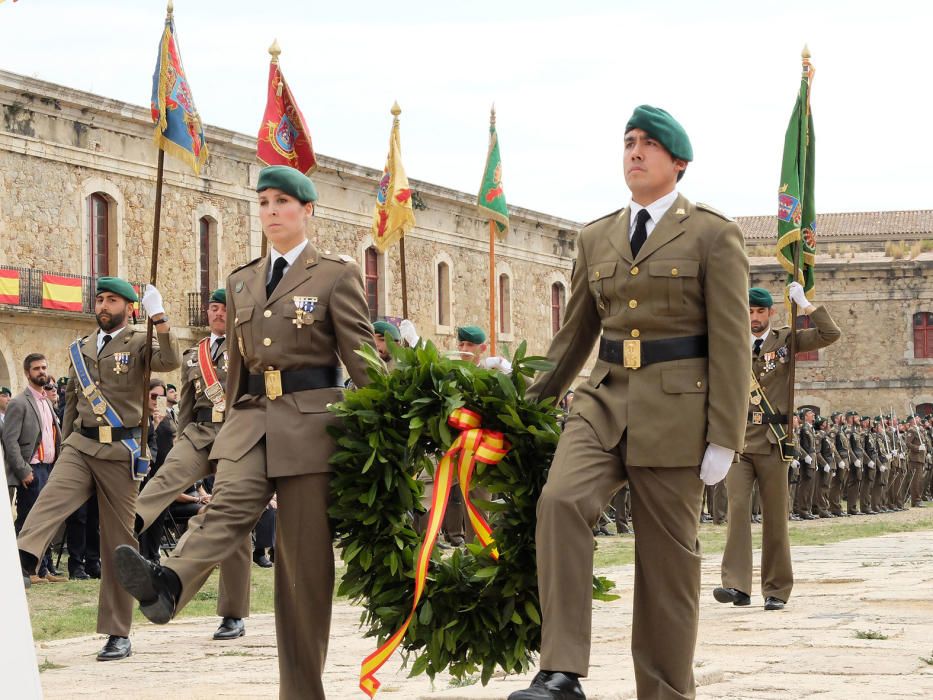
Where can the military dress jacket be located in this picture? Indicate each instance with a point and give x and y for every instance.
(915, 444)
(119, 373)
(193, 399)
(772, 370)
(843, 447)
(262, 334)
(809, 445)
(690, 278)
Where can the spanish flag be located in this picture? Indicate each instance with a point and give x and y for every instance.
(9, 287)
(62, 293)
(393, 217)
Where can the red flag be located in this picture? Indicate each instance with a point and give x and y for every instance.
(284, 138)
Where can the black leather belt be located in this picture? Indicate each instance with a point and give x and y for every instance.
(205, 415)
(638, 353)
(776, 419)
(297, 380)
(115, 433)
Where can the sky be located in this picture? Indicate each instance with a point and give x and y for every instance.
(564, 76)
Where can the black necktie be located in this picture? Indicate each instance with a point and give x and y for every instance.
(107, 339)
(641, 231)
(756, 351)
(278, 269)
(216, 348)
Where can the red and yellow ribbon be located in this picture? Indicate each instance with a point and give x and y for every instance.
(473, 444)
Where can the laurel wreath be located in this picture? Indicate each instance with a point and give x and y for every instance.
(476, 614)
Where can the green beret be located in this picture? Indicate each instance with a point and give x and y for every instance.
(218, 296)
(171, 387)
(849, 414)
(661, 126)
(62, 381)
(760, 297)
(289, 180)
(385, 328)
(5, 390)
(835, 414)
(117, 286)
(471, 334)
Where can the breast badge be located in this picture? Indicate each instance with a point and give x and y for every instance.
(304, 306)
(122, 360)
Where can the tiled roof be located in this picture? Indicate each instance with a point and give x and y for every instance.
(864, 225)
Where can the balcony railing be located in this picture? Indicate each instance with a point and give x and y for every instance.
(29, 288)
(197, 308)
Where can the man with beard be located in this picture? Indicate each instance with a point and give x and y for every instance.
(380, 330)
(200, 417)
(31, 442)
(101, 435)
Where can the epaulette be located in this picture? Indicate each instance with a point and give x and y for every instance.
(245, 265)
(711, 210)
(606, 216)
(337, 257)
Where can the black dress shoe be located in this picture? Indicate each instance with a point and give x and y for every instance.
(155, 587)
(260, 559)
(92, 570)
(772, 603)
(551, 685)
(731, 595)
(230, 628)
(78, 574)
(115, 648)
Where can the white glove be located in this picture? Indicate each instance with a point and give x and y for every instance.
(409, 334)
(716, 463)
(795, 292)
(842, 464)
(871, 464)
(923, 448)
(808, 459)
(892, 455)
(883, 469)
(152, 301)
(858, 463)
(498, 363)
(903, 454)
(826, 467)
(795, 464)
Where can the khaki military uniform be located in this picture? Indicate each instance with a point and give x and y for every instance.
(809, 445)
(87, 465)
(840, 475)
(856, 471)
(916, 458)
(690, 278)
(282, 446)
(869, 470)
(188, 462)
(762, 462)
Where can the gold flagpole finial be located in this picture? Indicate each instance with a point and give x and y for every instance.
(275, 51)
(492, 115)
(396, 110)
(170, 8)
(805, 54)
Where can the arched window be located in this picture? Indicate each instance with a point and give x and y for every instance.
(443, 294)
(558, 301)
(98, 213)
(371, 281)
(805, 322)
(505, 304)
(206, 253)
(923, 334)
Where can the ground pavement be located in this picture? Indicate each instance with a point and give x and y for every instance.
(819, 647)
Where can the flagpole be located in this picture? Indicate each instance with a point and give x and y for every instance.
(396, 110)
(275, 52)
(798, 254)
(492, 264)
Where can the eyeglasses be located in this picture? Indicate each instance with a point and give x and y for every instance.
(49, 387)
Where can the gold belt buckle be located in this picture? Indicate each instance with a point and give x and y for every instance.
(217, 416)
(757, 417)
(273, 378)
(104, 434)
(631, 354)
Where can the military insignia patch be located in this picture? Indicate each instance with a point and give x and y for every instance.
(122, 360)
(197, 386)
(789, 208)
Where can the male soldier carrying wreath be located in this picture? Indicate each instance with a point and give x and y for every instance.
(764, 458)
(662, 284)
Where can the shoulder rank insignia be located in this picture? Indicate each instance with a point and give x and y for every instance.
(713, 210)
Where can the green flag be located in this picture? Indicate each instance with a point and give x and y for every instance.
(796, 203)
(491, 199)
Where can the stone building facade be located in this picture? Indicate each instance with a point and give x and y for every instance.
(77, 175)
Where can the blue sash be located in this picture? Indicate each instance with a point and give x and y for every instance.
(140, 464)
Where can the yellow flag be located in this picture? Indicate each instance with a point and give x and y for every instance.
(393, 216)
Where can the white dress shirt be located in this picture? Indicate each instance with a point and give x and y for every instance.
(100, 337)
(656, 209)
(290, 258)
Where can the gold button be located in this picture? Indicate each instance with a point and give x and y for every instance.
(267, 341)
(632, 304)
(635, 332)
(99, 419)
(597, 274)
(267, 313)
(634, 270)
(762, 374)
(699, 385)
(674, 272)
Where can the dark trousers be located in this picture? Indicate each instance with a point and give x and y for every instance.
(265, 530)
(26, 497)
(82, 535)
